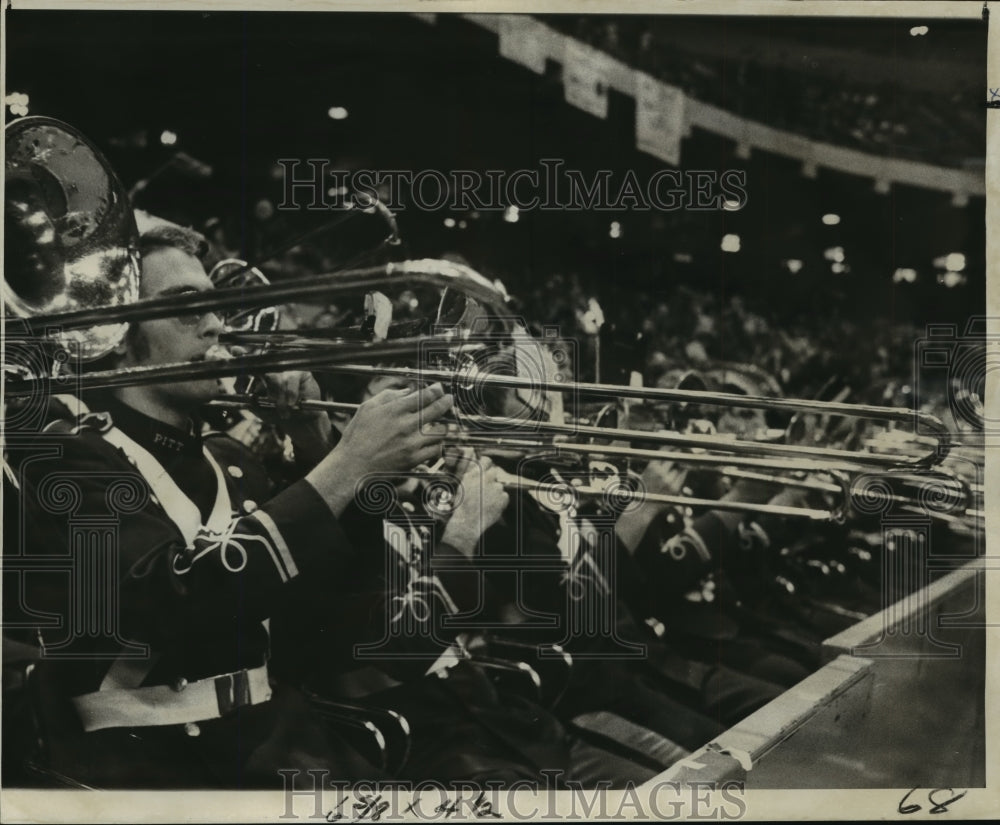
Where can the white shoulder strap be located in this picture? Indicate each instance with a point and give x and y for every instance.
(127, 673)
(73, 404)
(179, 508)
(182, 511)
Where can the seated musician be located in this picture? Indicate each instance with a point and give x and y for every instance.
(386, 642)
(713, 579)
(154, 671)
(668, 691)
(689, 571)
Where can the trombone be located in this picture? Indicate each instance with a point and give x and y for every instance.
(443, 274)
(474, 378)
(98, 291)
(530, 446)
(304, 353)
(338, 358)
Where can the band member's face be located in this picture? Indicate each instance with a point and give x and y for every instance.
(744, 423)
(170, 271)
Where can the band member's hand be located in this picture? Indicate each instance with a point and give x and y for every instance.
(310, 430)
(664, 477)
(392, 432)
(483, 502)
(659, 477)
(397, 429)
(287, 389)
(747, 490)
(790, 497)
(750, 490)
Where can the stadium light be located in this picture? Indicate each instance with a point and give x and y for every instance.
(730, 243)
(955, 261)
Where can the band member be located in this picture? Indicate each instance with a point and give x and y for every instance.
(626, 667)
(596, 578)
(388, 643)
(154, 666)
(687, 571)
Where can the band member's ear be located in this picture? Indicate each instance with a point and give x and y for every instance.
(121, 348)
(134, 346)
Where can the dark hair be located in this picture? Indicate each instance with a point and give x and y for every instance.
(343, 387)
(162, 236)
(173, 237)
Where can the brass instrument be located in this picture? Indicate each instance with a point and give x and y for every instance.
(443, 274)
(78, 275)
(473, 377)
(71, 243)
(841, 476)
(234, 273)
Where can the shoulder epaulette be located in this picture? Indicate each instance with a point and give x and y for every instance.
(70, 421)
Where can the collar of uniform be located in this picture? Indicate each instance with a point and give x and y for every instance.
(155, 436)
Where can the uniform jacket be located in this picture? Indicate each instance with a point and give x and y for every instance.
(118, 595)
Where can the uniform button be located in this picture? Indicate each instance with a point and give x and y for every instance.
(179, 684)
(408, 506)
(192, 729)
(249, 506)
(235, 471)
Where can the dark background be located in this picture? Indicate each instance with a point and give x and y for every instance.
(242, 90)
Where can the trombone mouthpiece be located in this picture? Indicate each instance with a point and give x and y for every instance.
(218, 352)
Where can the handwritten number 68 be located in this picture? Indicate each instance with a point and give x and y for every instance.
(934, 798)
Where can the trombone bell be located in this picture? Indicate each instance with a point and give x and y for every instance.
(71, 239)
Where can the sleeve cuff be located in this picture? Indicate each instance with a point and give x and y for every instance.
(673, 562)
(717, 538)
(467, 587)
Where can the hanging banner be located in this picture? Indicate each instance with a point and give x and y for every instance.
(525, 41)
(588, 74)
(585, 78)
(659, 118)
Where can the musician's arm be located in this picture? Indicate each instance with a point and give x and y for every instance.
(482, 503)
(675, 561)
(165, 585)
